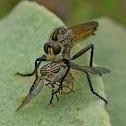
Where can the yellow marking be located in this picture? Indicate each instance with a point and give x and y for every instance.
(52, 51)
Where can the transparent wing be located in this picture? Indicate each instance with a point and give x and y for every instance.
(38, 85)
(96, 70)
(93, 70)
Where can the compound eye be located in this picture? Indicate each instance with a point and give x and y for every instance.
(56, 48)
(46, 48)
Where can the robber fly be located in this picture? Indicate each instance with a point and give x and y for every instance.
(57, 50)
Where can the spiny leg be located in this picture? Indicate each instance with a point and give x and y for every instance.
(51, 86)
(62, 79)
(43, 58)
(52, 99)
(92, 90)
(53, 96)
(57, 97)
(69, 82)
(91, 46)
(30, 74)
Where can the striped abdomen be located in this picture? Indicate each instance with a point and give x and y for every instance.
(50, 68)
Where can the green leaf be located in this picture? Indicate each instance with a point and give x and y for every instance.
(110, 52)
(22, 36)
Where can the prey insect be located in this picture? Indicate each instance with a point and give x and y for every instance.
(52, 73)
(57, 50)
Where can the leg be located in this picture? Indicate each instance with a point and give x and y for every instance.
(71, 89)
(83, 51)
(36, 73)
(30, 74)
(50, 86)
(62, 79)
(92, 90)
(52, 99)
(53, 96)
(43, 58)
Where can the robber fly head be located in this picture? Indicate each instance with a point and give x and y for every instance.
(54, 45)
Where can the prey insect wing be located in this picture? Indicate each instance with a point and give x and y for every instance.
(33, 93)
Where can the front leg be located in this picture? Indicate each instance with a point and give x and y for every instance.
(62, 79)
(43, 58)
(91, 46)
(30, 74)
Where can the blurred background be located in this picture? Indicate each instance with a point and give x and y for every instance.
(83, 10)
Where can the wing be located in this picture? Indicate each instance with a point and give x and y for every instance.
(96, 70)
(80, 32)
(93, 70)
(34, 92)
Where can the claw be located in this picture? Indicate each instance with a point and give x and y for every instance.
(52, 103)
